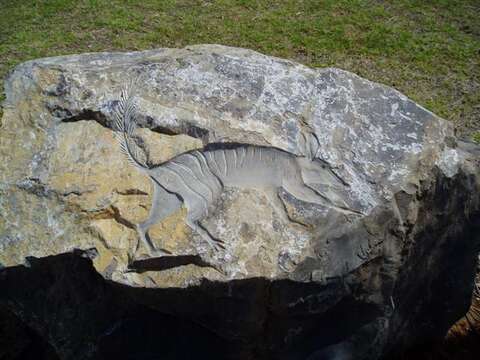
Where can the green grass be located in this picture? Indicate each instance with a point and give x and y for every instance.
(476, 137)
(428, 49)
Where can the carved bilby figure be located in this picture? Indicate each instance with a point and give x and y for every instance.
(197, 178)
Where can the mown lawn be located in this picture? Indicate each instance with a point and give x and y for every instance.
(429, 49)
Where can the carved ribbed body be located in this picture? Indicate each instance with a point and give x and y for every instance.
(197, 179)
(249, 166)
(206, 172)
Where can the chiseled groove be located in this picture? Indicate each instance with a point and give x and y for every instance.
(197, 161)
(248, 155)
(259, 154)
(225, 162)
(245, 156)
(213, 161)
(186, 168)
(203, 161)
(270, 158)
(235, 158)
(205, 176)
(242, 160)
(166, 166)
(252, 153)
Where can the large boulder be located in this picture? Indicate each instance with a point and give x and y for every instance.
(397, 270)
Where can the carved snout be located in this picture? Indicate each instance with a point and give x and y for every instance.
(318, 172)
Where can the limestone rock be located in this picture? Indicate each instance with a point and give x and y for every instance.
(65, 185)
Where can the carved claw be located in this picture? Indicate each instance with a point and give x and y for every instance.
(159, 252)
(302, 225)
(217, 245)
(151, 253)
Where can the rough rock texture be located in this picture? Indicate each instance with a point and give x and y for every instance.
(363, 285)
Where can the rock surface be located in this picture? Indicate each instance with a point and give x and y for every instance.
(387, 274)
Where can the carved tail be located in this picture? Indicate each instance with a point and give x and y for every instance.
(125, 125)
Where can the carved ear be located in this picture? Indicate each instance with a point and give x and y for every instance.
(311, 146)
(315, 145)
(303, 144)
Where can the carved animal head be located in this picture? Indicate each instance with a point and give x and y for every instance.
(309, 145)
(317, 171)
(313, 169)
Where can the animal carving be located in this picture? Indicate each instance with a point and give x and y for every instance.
(197, 178)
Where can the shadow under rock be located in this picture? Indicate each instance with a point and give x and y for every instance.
(80, 315)
(167, 262)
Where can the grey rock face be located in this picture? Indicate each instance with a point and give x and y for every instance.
(386, 274)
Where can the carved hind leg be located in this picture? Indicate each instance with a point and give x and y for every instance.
(163, 204)
(303, 192)
(216, 244)
(197, 211)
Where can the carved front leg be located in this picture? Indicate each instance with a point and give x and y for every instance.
(279, 206)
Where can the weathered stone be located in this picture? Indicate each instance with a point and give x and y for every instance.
(65, 185)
